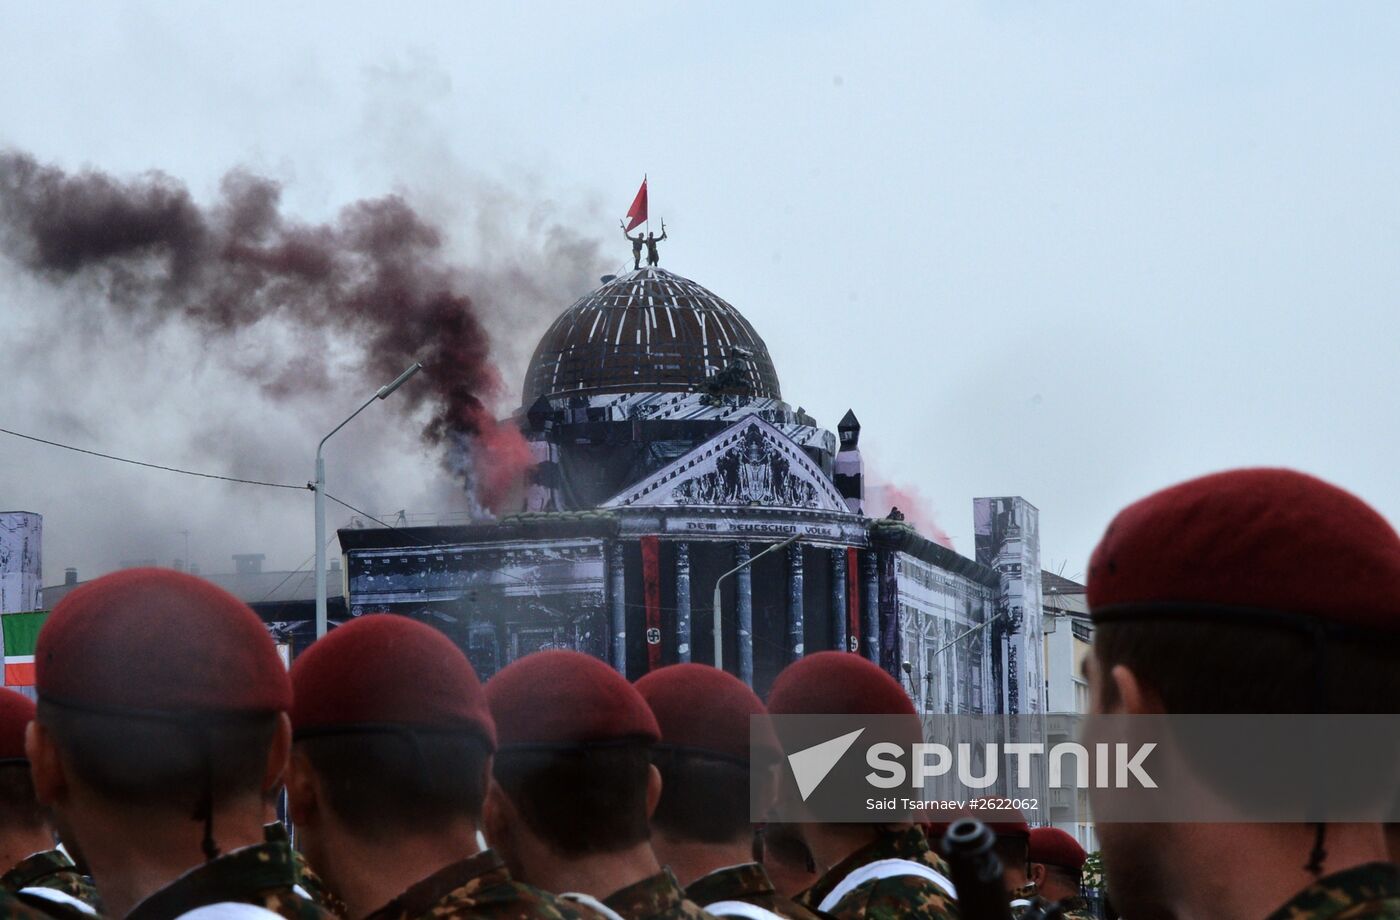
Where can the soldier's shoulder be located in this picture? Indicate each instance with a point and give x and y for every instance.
(1368, 892)
(31, 907)
(289, 903)
(688, 910)
(510, 900)
(901, 896)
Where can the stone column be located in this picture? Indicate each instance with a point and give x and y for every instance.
(838, 599)
(683, 632)
(743, 611)
(891, 629)
(617, 595)
(795, 623)
(870, 614)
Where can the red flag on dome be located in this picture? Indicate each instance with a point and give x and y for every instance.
(638, 212)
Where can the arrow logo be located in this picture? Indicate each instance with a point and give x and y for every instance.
(811, 765)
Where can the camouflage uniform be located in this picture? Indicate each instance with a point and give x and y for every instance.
(1075, 908)
(54, 870)
(890, 898)
(1024, 898)
(748, 883)
(659, 897)
(311, 883)
(263, 875)
(1371, 891)
(479, 886)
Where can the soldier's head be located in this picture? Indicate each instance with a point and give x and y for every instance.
(1012, 846)
(839, 683)
(1057, 863)
(1268, 560)
(162, 701)
(572, 776)
(704, 756)
(393, 740)
(1253, 591)
(20, 814)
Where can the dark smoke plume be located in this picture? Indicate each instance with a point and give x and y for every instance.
(376, 275)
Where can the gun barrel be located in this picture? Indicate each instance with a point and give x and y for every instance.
(977, 873)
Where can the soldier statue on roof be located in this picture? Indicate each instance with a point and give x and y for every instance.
(649, 241)
(637, 242)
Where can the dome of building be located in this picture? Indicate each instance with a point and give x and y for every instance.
(650, 331)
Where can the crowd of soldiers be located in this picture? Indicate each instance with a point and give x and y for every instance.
(144, 783)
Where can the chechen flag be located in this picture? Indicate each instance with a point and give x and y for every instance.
(21, 631)
(638, 212)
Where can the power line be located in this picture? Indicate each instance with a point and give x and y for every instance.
(153, 466)
(366, 514)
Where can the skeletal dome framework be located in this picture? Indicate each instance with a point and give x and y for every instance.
(650, 331)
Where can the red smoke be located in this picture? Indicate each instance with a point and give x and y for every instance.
(881, 496)
(375, 274)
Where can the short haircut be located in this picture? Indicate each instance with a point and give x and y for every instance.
(1065, 875)
(580, 800)
(1198, 667)
(162, 764)
(703, 798)
(18, 807)
(384, 785)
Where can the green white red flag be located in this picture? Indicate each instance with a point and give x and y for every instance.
(21, 631)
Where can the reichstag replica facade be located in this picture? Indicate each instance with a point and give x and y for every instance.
(667, 458)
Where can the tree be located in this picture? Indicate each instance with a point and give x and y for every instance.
(1092, 875)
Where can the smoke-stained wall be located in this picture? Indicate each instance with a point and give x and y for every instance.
(21, 560)
(935, 608)
(1008, 540)
(497, 601)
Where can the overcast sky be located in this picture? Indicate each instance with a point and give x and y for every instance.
(1074, 252)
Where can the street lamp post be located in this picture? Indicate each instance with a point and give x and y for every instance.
(320, 489)
(719, 633)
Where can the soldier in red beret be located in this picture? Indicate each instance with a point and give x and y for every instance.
(41, 874)
(1252, 591)
(574, 788)
(1013, 849)
(162, 724)
(393, 743)
(1057, 861)
(869, 870)
(701, 827)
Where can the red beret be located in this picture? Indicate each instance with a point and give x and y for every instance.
(383, 669)
(560, 698)
(157, 640)
(1249, 540)
(1054, 847)
(719, 724)
(837, 683)
(16, 712)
